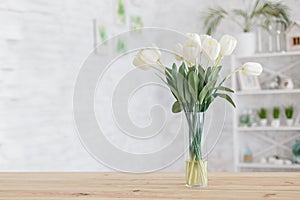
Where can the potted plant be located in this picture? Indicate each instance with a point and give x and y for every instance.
(289, 111)
(296, 151)
(262, 114)
(261, 13)
(276, 121)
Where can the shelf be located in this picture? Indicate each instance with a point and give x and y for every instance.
(265, 92)
(261, 128)
(274, 166)
(270, 55)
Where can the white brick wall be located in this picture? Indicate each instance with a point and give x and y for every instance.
(42, 45)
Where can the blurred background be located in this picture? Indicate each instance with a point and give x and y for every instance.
(44, 43)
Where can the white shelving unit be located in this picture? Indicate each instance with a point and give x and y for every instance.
(256, 99)
(268, 128)
(270, 55)
(267, 92)
(267, 166)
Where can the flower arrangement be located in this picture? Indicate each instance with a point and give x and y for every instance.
(195, 85)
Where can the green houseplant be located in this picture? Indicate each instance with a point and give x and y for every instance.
(260, 13)
(289, 111)
(276, 113)
(262, 114)
(195, 85)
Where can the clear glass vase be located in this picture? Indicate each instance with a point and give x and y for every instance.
(196, 165)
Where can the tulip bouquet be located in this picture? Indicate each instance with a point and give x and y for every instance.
(195, 85)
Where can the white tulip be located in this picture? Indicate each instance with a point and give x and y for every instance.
(211, 47)
(252, 69)
(147, 58)
(228, 44)
(193, 39)
(204, 37)
(190, 54)
(192, 48)
(178, 51)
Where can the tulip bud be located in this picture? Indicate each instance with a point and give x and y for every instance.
(252, 69)
(228, 44)
(192, 47)
(212, 48)
(204, 37)
(193, 40)
(147, 58)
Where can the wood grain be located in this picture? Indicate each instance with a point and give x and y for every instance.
(74, 185)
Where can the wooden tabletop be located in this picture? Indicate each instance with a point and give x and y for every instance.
(223, 186)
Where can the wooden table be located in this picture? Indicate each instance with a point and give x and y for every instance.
(223, 186)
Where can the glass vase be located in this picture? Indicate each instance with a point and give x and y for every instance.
(196, 165)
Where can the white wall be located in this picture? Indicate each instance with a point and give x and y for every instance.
(42, 46)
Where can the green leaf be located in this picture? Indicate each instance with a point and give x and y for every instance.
(201, 75)
(174, 70)
(201, 71)
(212, 76)
(207, 104)
(225, 96)
(187, 93)
(240, 12)
(182, 70)
(206, 90)
(176, 108)
(193, 82)
(169, 77)
(212, 18)
(215, 73)
(222, 88)
(207, 74)
(173, 90)
(180, 85)
(192, 69)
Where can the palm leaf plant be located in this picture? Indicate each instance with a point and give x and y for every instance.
(261, 13)
(195, 83)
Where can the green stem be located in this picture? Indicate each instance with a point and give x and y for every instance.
(218, 60)
(195, 124)
(229, 75)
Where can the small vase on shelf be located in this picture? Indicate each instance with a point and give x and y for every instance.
(246, 44)
(262, 114)
(263, 122)
(289, 111)
(248, 157)
(276, 113)
(275, 123)
(289, 122)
